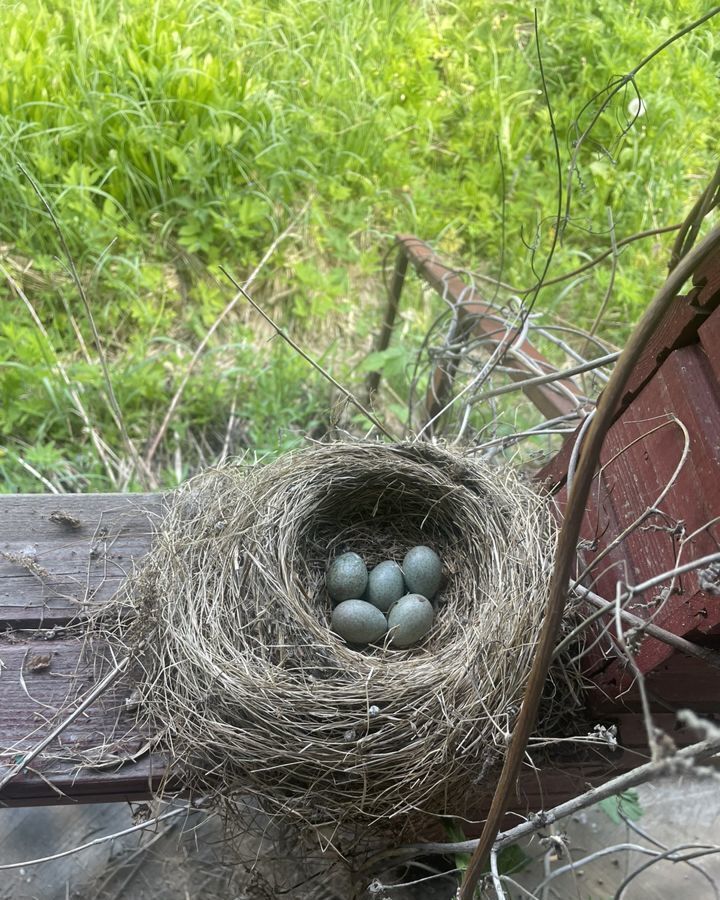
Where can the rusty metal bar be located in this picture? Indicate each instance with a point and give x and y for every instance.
(383, 341)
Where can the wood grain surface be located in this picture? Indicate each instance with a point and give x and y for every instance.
(99, 756)
(60, 554)
(639, 459)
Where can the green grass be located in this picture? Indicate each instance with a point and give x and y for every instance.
(171, 137)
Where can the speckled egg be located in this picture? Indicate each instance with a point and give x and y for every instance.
(422, 569)
(409, 620)
(347, 577)
(358, 622)
(385, 585)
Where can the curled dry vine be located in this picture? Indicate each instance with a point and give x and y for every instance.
(567, 545)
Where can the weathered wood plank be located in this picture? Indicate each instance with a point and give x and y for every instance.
(686, 386)
(60, 554)
(694, 316)
(680, 326)
(639, 456)
(54, 678)
(43, 680)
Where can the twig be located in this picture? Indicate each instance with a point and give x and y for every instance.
(548, 378)
(672, 573)
(155, 443)
(518, 887)
(611, 282)
(101, 448)
(33, 471)
(537, 822)
(93, 695)
(142, 470)
(689, 228)
(705, 654)
(495, 873)
(100, 840)
(394, 293)
(136, 855)
(511, 335)
(651, 731)
(640, 235)
(617, 86)
(558, 279)
(567, 547)
(286, 337)
(618, 785)
(627, 595)
(556, 145)
(652, 508)
(577, 445)
(633, 826)
(669, 855)
(591, 857)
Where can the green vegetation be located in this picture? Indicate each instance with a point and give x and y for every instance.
(171, 137)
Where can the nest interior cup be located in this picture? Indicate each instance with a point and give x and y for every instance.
(243, 682)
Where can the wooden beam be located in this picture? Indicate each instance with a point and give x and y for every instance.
(60, 555)
(100, 756)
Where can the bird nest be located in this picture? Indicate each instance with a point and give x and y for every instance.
(241, 680)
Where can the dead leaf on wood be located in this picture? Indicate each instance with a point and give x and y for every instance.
(38, 662)
(61, 517)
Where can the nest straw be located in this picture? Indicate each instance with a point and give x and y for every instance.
(244, 684)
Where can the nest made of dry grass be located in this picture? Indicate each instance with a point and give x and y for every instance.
(242, 681)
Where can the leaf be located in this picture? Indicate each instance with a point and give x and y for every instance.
(627, 804)
(512, 859)
(390, 361)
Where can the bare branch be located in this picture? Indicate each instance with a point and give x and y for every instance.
(690, 755)
(567, 547)
(100, 840)
(26, 758)
(172, 408)
(286, 337)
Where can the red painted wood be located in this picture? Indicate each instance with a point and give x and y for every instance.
(680, 682)
(680, 326)
(687, 386)
(695, 314)
(599, 527)
(641, 452)
(709, 334)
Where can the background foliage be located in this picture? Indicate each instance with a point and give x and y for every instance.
(173, 136)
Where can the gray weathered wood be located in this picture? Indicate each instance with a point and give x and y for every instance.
(61, 554)
(99, 756)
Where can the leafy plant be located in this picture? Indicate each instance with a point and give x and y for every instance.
(626, 804)
(171, 137)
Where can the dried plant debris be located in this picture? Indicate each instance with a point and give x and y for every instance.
(63, 517)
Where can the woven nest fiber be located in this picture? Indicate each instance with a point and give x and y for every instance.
(241, 679)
